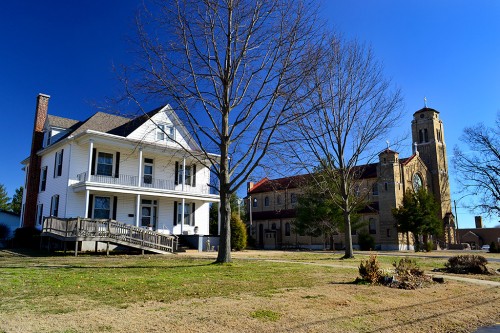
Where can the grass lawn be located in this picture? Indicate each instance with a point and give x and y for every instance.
(183, 294)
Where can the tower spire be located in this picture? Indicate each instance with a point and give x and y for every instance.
(425, 102)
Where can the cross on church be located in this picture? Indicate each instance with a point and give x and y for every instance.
(425, 101)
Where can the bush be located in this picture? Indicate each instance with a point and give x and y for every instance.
(366, 241)
(4, 231)
(429, 246)
(467, 264)
(27, 237)
(494, 248)
(238, 233)
(370, 270)
(407, 267)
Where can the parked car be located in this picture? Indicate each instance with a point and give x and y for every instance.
(485, 248)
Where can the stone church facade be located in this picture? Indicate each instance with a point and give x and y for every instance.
(273, 201)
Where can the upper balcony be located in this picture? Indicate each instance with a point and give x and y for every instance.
(147, 182)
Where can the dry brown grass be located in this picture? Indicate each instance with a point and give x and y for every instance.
(328, 302)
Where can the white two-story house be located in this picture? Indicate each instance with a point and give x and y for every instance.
(144, 171)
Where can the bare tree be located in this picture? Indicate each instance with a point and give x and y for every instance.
(233, 70)
(354, 108)
(478, 166)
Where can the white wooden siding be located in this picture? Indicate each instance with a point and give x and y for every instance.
(147, 131)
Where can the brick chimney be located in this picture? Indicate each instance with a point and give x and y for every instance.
(479, 221)
(33, 179)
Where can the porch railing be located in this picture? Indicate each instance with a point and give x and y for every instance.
(108, 230)
(146, 182)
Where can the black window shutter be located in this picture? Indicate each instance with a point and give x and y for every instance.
(40, 218)
(176, 176)
(59, 170)
(91, 204)
(93, 161)
(175, 212)
(56, 210)
(192, 214)
(117, 168)
(51, 202)
(115, 202)
(194, 175)
(55, 169)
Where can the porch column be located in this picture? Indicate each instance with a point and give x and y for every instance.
(87, 196)
(137, 209)
(139, 174)
(89, 165)
(183, 178)
(182, 212)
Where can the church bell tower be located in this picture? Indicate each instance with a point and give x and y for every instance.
(428, 137)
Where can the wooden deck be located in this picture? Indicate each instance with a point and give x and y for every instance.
(108, 231)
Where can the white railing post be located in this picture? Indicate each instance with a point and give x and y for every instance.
(137, 209)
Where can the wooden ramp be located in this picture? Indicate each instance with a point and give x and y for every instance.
(108, 231)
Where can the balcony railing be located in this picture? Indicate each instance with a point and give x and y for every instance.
(146, 182)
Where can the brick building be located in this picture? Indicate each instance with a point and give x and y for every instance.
(273, 201)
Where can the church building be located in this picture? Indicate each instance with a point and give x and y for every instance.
(273, 201)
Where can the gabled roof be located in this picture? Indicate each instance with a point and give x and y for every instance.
(101, 122)
(131, 125)
(10, 213)
(267, 185)
(56, 121)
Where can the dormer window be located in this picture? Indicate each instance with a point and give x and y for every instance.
(165, 132)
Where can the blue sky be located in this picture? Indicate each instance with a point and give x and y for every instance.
(447, 51)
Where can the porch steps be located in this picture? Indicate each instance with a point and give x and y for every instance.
(105, 230)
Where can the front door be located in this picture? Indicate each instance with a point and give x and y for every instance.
(148, 214)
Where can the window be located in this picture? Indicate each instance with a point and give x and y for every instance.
(255, 203)
(43, 179)
(165, 132)
(105, 164)
(148, 171)
(287, 229)
(388, 233)
(386, 186)
(58, 163)
(278, 199)
(190, 174)
(102, 207)
(54, 205)
(273, 226)
(357, 191)
(293, 198)
(39, 214)
(187, 213)
(26, 176)
(372, 226)
(375, 189)
(420, 136)
(266, 201)
(426, 135)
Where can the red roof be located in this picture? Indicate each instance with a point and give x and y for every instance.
(268, 185)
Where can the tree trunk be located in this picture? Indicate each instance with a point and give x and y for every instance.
(224, 254)
(348, 237)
